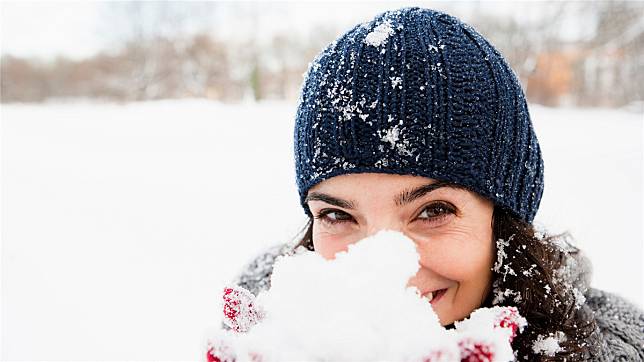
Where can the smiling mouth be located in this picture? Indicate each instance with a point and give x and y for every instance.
(435, 296)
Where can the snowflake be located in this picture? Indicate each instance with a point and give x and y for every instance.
(380, 34)
(396, 82)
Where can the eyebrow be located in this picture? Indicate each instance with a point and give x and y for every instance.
(404, 198)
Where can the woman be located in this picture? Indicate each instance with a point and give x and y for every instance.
(414, 122)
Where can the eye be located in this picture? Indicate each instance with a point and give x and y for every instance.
(436, 212)
(332, 217)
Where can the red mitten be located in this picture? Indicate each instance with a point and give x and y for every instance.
(219, 352)
(256, 357)
(240, 310)
(475, 351)
(440, 356)
(482, 337)
(509, 317)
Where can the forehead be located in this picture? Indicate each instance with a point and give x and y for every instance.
(360, 185)
(381, 180)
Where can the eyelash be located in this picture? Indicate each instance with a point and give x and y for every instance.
(447, 209)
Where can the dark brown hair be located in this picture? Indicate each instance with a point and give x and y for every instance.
(534, 272)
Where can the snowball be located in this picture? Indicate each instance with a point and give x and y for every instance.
(324, 309)
(343, 309)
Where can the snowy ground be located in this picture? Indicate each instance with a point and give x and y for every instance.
(121, 223)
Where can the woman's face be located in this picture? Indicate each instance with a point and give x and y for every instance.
(451, 226)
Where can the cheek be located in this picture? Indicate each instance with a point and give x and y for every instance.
(327, 244)
(460, 256)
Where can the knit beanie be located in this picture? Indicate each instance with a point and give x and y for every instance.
(416, 91)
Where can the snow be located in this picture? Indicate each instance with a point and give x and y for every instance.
(123, 223)
(395, 136)
(548, 346)
(593, 189)
(320, 310)
(580, 298)
(500, 253)
(568, 273)
(396, 82)
(379, 35)
(343, 309)
(391, 136)
(500, 256)
(501, 295)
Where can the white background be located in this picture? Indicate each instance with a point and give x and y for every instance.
(122, 223)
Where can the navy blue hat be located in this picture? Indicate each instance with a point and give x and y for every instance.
(416, 91)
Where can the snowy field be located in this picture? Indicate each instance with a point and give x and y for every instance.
(122, 223)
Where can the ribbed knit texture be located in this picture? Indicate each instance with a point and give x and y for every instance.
(416, 91)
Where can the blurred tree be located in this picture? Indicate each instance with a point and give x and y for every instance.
(156, 36)
(576, 53)
(613, 64)
(23, 81)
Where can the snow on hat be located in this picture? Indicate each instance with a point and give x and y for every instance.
(416, 91)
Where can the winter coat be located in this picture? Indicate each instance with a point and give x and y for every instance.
(621, 323)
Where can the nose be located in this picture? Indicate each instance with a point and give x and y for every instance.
(395, 225)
